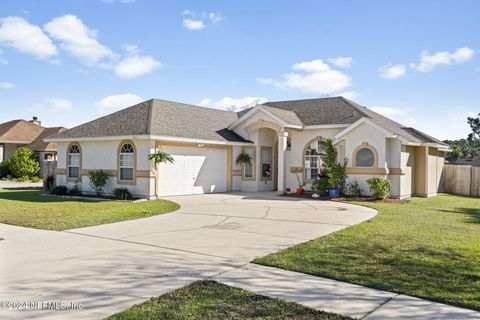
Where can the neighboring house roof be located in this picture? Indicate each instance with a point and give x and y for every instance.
(28, 133)
(40, 145)
(475, 161)
(19, 131)
(160, 118)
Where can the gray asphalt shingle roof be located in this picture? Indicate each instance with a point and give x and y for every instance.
(167, 118)
(338, 110)
(163, 118)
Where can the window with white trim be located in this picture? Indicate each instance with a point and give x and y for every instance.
(248, 168)
(266, 162)
(313, 160)
(74, 162)
(365, 158)
(127, 162)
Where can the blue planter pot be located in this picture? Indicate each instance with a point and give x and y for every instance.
(334, 193)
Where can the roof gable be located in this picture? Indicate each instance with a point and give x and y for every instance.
(19, 131)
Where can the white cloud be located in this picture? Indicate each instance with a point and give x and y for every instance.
(314, 77)
(18, 33)
(135, 65)
(214, 17)
(77, 39)
(6, 85)
(343, 62)
(401, 115)
(352, 95)
(428, 61)
(392, 71)
(197, 21)
(265, 80)
(52, 106)
(234, 104)
(193, 24)
(57, 105)
(116, 102)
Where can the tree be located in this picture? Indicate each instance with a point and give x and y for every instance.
(335, 171)
(475, 126)
(23, 164)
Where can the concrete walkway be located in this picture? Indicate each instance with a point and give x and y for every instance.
(338, 297)
(111, 267)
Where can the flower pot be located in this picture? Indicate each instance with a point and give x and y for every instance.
(334, 193)
(299, 191)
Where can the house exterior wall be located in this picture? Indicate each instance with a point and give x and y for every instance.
(376, 139)
(299, 140)
(103, 155)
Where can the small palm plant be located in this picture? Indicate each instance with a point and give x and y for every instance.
(161, 157)
(244, 159)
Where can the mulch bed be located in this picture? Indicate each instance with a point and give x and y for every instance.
(345, 199)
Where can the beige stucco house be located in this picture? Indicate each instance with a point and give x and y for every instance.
(282, 137)
(22, 133)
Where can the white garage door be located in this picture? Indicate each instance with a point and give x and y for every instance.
(195, 171)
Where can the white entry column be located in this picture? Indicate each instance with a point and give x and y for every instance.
(282, 148)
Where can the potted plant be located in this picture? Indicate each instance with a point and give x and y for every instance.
(243, 159)
(334, 171)
(160, 157)
(300, 191)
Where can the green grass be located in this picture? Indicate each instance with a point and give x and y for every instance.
(30, 209)
(211, 300)
(429, 248)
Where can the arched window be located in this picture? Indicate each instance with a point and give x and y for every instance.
(74, 162)
(127, 162)
(312, 160)
(365, 156)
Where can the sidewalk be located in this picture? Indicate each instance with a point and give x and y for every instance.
(338, 297)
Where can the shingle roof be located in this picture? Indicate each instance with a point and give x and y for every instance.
(167, 118)
(22, 131)
(163, 118)
(39, 145)
(338, 110)
(19, 131)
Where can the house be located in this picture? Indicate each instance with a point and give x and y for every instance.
(472, 161)
(21, 133)
(282, 138)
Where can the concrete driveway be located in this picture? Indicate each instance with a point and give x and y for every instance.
(110, 267)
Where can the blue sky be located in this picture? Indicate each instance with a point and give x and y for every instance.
(68, 62)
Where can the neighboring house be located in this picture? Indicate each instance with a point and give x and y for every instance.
(473, 161)
(21, 133)
(282, 137)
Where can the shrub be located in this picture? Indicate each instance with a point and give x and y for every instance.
(75, 192)
(320, 186)
(49, 183)
(5, 169)
(98, 181)
(23, 163)
(353, 189)
(21, 179)
(60, 190)
(122, 194)
(36, 179)
(379, 187)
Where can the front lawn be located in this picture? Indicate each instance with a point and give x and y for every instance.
(30, 209)
(212, 300)
(429, 248)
